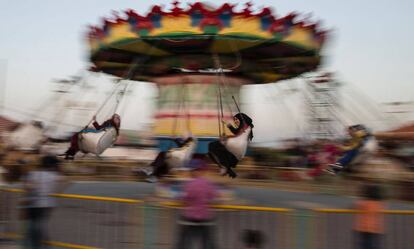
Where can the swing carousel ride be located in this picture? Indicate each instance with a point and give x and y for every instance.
(199, 57)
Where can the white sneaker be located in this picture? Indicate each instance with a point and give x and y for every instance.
(146, 171)
(336, 166)
(330, 170)
(152, 179)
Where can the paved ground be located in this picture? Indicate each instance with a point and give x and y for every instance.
(252, 195)
(121, 225)
(8, 245)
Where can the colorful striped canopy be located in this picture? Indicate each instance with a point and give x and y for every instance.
(259, 46)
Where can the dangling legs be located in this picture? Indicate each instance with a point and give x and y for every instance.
(213, 149)
(231, 164)
(222, 169)
(157, 168)
(223, 158)
(343, 162)
(73, 148)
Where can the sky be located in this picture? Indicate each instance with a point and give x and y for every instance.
(370, 48)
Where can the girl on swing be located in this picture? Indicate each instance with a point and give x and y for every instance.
(114, 121)
(226, 157)
(159, 167)
(359, 135)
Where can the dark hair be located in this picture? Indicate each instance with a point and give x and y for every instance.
(245, 120)
(372, 192)
(50, 162)
(253, 238)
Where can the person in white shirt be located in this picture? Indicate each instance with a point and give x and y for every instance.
(38, 204)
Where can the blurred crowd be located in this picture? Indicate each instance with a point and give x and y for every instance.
(40, 176)
(297, 153)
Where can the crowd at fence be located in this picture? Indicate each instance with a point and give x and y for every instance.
(98, 222)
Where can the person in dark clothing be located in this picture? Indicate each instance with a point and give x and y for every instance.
(221, 155)
(159, 166)
(242, 121)
(114, 121)
(253, 239)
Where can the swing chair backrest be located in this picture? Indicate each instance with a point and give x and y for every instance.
(179, 157)
(237, 145)
(96, 142)
(26, 137)
(369, 148)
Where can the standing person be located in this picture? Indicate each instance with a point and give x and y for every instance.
(252, 239)
(197, 218)
(3, 202)
(38, 204)
(2, 178)
(369, 221)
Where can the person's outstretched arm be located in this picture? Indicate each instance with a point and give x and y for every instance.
(352, 145)
(232, 129)
(179, 142)
(96, 124)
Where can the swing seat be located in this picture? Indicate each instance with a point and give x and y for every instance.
(96, 142)
(369, 148)
(237, 145)
(231, 151)
(26, 137)
(179, 157)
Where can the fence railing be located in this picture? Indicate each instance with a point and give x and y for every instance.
(89, 222)
(337, 225)
(81, 221)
